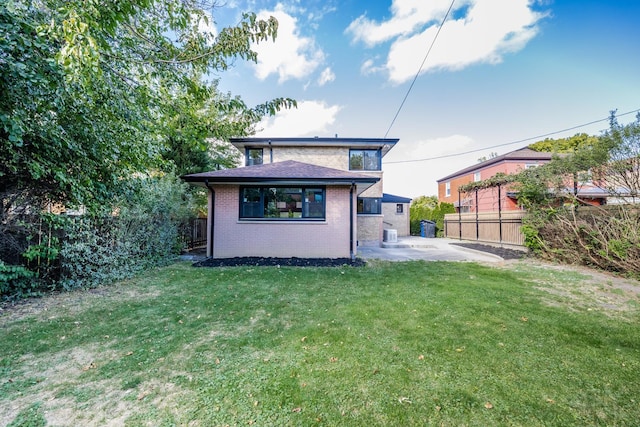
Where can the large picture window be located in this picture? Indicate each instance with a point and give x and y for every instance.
(282, 203)
(369, 205)
(369, 160)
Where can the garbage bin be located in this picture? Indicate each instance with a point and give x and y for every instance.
(427, 228)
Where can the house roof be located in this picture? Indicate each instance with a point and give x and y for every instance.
(282, 173)
(385, 144)
(391, 198)
(523, 154)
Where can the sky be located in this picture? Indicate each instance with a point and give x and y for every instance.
(453, 81)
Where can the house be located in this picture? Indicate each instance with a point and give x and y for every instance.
(395, 212)
(488, 200)
(500, 198)
(296, 197)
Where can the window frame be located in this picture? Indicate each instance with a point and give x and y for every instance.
(447, 189)
(399, 208)
(266, 203)
(378, 159)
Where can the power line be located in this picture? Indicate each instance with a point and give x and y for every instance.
(420, 69)
(445, 156)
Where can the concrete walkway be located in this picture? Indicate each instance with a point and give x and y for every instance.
(429, 249)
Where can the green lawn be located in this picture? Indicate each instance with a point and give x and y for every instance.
(396, 344)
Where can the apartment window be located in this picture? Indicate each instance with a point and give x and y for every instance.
(369, 160)
(369, 205)
(447, 189)
(282, 203)
(399, 208)
(254, 156)
(476, 177)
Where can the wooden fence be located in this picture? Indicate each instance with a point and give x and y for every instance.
(490, 227)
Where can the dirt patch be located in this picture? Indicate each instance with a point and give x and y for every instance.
(502, 252)
(581, 288)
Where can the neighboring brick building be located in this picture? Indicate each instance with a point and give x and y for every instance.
(494, 199)
(509, 163)
(297, 197)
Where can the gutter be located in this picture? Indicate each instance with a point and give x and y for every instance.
(212, 216)
(351, 252)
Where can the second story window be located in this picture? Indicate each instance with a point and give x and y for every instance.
(253, 156)
(368, 160)
(447, 189)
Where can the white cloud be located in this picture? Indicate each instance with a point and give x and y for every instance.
(291, 56)
(311, 118)
(413, 179)
(326, 76)
(475, 32)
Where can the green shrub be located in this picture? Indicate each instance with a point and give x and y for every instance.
(16, 281)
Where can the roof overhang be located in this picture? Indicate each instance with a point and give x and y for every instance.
(384, 144)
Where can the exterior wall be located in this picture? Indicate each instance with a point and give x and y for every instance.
(487, 199)
(329, 157)
(394, 220)
(281, 239)
(369, 230)
(369, 227)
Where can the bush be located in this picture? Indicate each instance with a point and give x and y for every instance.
(140, 230)
(604, 237)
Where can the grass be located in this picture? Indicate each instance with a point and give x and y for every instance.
(410, 343)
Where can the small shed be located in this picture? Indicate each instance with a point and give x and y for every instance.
(395, 210)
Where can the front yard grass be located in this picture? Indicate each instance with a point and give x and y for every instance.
(414, 343)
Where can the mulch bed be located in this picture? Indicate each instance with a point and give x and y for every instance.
(279, 262)
(504, 253)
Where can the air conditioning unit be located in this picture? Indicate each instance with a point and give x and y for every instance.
(390, 235)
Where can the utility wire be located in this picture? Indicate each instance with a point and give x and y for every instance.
(420, 69)
(445, 156)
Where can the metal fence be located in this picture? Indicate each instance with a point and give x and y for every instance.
(194, 233)
(490, 227)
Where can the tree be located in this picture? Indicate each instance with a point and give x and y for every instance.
(565, 145)
(621, 171)
(94, 91)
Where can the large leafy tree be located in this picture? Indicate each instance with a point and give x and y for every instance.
(93, 91)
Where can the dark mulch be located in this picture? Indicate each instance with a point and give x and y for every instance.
(505, 253)
(279, 262)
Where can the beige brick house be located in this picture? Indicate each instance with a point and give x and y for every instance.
(296, 197)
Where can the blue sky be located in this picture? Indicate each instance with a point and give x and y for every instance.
(499, 72)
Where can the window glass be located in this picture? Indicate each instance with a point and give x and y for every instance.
(282, 202)
(399, 208)
(254, 156)
(364, 159)
(369, 206)
(447, 189)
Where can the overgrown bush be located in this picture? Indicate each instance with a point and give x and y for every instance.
(140, 230)
(604, 237)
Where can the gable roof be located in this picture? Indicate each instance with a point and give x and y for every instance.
(384, 144)
(522, 155)
(281, 173)
(391, 198)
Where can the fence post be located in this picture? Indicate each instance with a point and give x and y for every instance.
(500, 212)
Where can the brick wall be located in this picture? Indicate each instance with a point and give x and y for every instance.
(281, 239)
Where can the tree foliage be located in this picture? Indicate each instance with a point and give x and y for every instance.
(93, 91)
(428, 208)
(565, 145)
(94, 96)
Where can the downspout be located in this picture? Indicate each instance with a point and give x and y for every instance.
(211, 214)
(351, 252)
